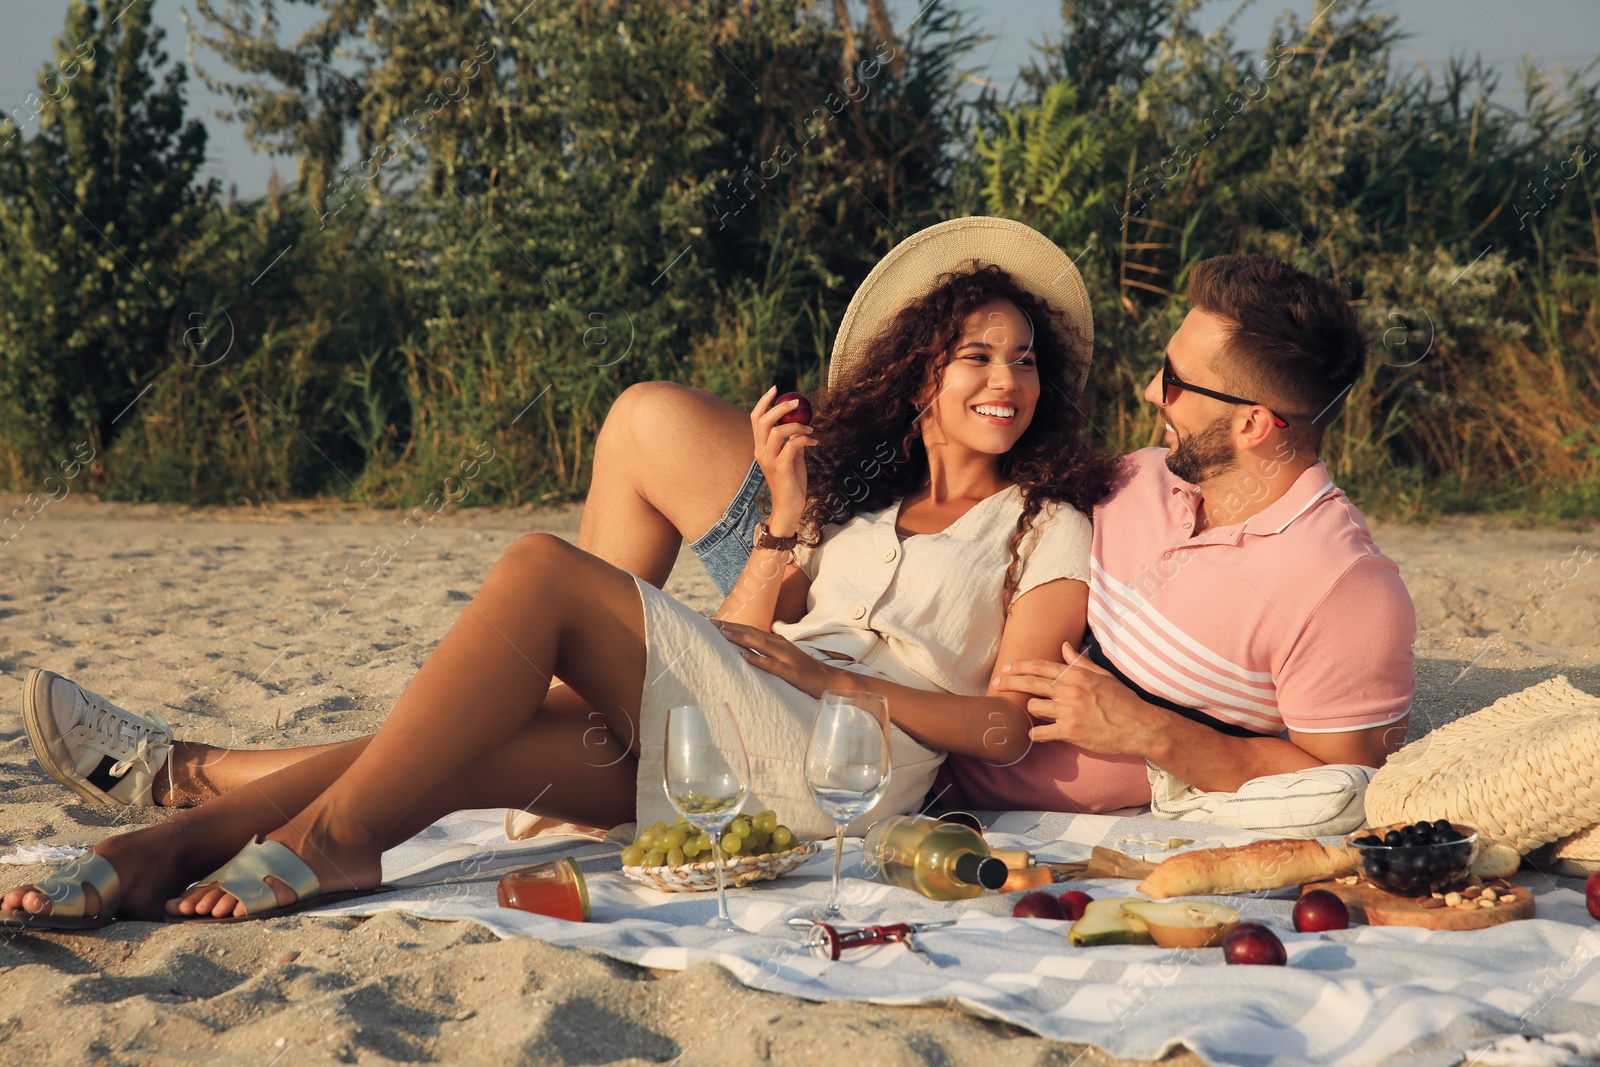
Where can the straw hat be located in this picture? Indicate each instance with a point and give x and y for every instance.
(1521, 770)
(913, 267)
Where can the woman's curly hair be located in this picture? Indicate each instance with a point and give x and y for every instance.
(870, 452)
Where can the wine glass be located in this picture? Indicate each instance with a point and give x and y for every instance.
(847, 764)
(707, 778)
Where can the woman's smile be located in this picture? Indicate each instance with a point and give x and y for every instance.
(998, 414)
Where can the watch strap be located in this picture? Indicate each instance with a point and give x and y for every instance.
(766, 539)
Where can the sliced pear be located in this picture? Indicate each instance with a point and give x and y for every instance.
(1184, 923)
(1104, 922)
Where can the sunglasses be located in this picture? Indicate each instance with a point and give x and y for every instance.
(1172, 385)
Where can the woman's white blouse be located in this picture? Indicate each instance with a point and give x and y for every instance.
(932, 601)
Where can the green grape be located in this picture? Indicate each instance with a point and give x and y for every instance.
(756, 841)
(673, 838)
(655, 858)
(732, 843)
(691, 847)
(705, 844)
(782, 838)
(633, 855)
(766, 821)
(646, 839)
(740, 826)
(675, 857)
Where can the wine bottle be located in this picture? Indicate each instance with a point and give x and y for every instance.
(940, 860)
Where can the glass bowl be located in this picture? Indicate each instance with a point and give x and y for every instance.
(1415, 870)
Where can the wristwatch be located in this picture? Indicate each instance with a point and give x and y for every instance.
(766, 539)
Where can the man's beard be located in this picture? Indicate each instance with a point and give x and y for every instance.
(1204, 454)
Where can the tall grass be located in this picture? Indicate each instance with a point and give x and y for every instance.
(679, 201)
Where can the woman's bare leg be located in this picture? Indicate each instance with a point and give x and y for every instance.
(200, 773)
(667, 464)
(554, 764)
(545, 607)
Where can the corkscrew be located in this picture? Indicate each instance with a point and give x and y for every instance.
(828, 940)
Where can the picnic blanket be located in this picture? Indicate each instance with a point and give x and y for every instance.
(1367, 995)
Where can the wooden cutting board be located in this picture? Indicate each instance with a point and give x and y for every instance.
(1379, 907)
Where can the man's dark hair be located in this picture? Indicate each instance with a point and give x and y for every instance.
(1294, 343)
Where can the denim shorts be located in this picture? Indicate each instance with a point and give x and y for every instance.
(726, 547)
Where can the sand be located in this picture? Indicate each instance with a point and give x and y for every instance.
(219, 619)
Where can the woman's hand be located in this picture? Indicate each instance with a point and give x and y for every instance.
(780, 450)
(783, 658)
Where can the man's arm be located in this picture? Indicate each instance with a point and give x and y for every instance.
(1086, 706)
(1350, 665)
(1215, 762)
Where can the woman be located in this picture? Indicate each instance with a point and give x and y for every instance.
(930, 519)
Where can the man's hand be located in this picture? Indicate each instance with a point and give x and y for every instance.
(779, 656)
(1081, 704)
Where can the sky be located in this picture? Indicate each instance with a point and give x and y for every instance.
(1552, 32)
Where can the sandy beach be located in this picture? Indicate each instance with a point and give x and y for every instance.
(227, 622)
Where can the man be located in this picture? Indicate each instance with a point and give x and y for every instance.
(1246, 638)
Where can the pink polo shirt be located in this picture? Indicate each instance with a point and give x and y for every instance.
(1290, 619)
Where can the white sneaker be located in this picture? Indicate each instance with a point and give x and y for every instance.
(91, 746)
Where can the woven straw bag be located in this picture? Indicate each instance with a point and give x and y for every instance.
(1576, 856)
(1522, 770)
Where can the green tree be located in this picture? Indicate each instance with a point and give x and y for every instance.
(579, 196)
(97, 209)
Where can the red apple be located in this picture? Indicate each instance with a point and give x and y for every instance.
(1591, 894)
(1255, 944)
(1037, 906)
(1073, 904)
(801, 413)
(1320, 910)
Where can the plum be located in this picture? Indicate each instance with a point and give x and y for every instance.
(1253, 943)
(1074, 903)
(801, 413)
(1037, 906)
(1320, 910)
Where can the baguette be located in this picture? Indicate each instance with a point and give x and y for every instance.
(1247, 868)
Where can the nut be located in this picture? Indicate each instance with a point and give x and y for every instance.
(1484, 902)
(1431, 902)
(1438, 896)
(1467, 905)
(1452, 899)
(1490, 895)
(1471, 892)
(1507, 898)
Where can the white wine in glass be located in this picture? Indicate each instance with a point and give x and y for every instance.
(847, 764)
(707, 778)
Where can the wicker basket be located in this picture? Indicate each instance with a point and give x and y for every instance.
(1577, 856)
(738, 871)
(1521, 770)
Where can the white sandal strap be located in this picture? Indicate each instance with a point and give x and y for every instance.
(64, 886)
(245, 876)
